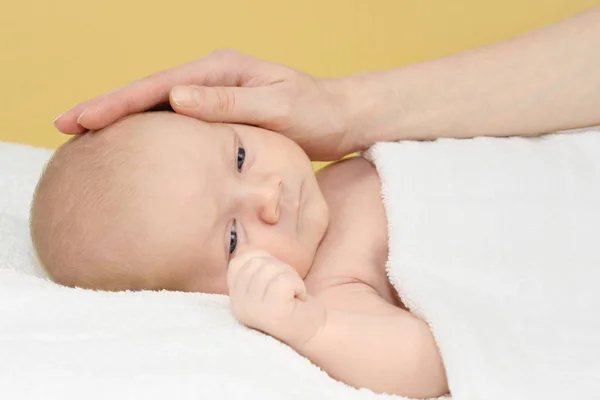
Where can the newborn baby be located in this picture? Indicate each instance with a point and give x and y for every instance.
(162, 201)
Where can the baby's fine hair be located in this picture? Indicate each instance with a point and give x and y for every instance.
(80, 207)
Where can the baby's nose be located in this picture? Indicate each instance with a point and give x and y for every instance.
(267, 196)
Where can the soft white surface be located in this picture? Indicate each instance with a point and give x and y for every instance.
(61, 343)
(496, 243)
(20, 168)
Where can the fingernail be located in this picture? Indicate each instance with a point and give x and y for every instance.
(81, 116)
(186, 97)
(57, 118)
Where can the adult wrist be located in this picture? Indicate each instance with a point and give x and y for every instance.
(372, 108)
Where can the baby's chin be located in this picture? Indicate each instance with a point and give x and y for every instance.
(315, 217)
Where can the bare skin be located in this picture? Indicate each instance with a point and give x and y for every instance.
(238, 210)
(538, 82)
(366, 304)
(345, 316)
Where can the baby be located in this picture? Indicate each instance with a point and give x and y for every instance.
(159, 201)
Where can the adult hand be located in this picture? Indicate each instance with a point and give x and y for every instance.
(228, 86)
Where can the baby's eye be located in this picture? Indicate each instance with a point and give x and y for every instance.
(241, 157)
(233, 238)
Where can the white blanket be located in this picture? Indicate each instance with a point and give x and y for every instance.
(496, 243)
(67, 344)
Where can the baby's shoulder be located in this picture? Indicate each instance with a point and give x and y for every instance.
(349, 180)
(355, 245)
(352, 190)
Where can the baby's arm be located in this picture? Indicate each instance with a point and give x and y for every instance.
(367, 342)
(349, 331)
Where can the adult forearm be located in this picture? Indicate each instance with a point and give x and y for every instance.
(540, 82)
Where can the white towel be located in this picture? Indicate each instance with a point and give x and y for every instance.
(68, 344)
(20, 168)
(496, 243)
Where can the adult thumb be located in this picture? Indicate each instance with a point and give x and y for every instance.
(247, 105)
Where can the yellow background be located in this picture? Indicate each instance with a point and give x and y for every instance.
(55, 53)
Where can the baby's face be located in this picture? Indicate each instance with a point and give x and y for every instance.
(210, 188)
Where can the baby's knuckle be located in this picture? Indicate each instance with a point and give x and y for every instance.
(281, 284)
(270, 273)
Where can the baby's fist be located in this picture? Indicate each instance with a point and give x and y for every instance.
(264, 291)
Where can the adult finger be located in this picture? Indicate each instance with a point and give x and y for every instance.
(248, 105)
(225, 68)
(67, 121)
(107, 108)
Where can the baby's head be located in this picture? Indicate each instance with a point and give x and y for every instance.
(162, 201)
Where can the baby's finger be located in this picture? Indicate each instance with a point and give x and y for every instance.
(262, 278)
(285, 287)
(300, 291)
(242, 267)
(300, 288)
(240, 272)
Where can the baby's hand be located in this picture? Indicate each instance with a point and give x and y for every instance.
(268, 295)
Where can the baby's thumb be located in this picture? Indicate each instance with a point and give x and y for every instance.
(300, 291)
(246, 105)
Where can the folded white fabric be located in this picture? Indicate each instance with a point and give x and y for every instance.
(496, 243)
(60, 343)
(67, 344)
(20, 168)
(493, 241)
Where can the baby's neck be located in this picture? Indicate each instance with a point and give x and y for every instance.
(354, 248)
